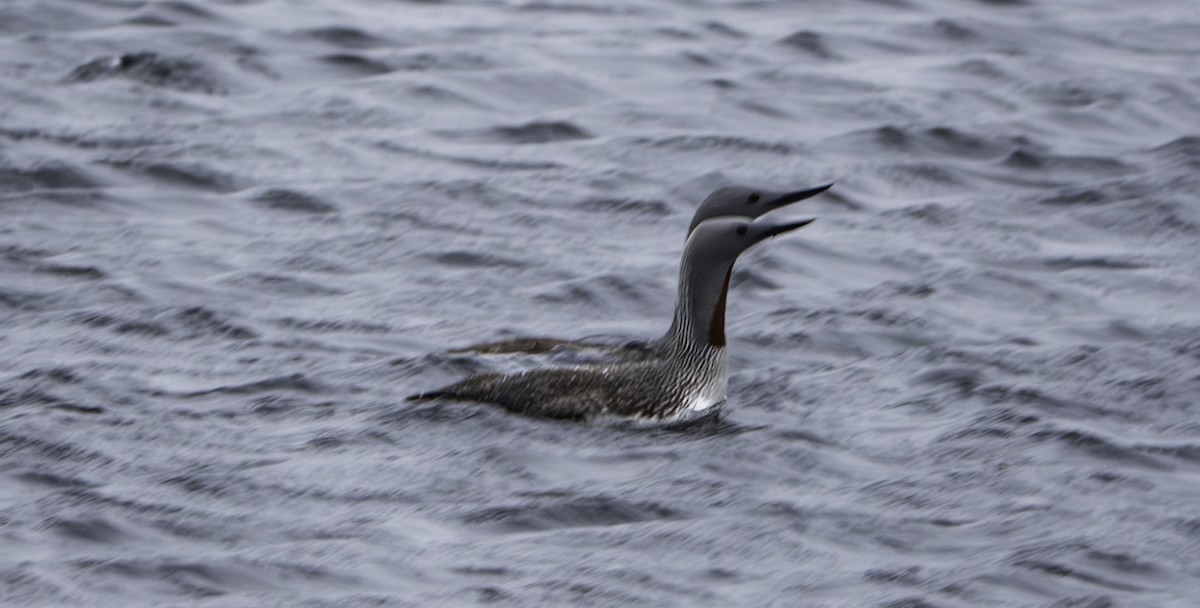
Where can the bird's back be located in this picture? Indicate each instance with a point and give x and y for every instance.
(656, 390)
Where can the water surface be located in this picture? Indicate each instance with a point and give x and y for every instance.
(235, 235)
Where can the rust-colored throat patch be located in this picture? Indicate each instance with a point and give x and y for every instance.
(716, 326)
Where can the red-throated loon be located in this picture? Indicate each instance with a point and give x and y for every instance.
(730, 201)
(683, 375)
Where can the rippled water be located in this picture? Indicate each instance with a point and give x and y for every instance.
(236, 234)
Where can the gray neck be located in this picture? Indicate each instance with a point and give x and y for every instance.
(699, 321)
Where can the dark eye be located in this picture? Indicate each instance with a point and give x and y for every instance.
(753, 198)
(741, 230)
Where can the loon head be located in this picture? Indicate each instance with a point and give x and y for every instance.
(739, 201)
(708, 257)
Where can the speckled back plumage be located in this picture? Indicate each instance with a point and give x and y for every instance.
(658, 389)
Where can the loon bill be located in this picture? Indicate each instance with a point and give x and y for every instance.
(730, 201)
(685, 373)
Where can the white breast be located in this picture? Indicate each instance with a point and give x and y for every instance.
(711, 392)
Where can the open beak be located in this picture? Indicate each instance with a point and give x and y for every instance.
(788, 198)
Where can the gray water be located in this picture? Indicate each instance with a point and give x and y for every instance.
(235, 234)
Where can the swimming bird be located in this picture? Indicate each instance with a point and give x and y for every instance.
(729, 201)
(685, 373)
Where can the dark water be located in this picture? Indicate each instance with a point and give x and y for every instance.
(233, 235)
